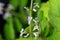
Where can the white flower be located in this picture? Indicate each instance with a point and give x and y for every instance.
(36, 5)
(36, 34)
(29, 19)
(10, 7)
(36, 28)
(34, 10)
(22, 32)
(36, 20)
(7, 14)
(26, 35)
(26, 8)
(1, 5)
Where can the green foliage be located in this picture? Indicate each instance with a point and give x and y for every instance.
(54, 13)
(9, 30)
(54, 16)
(54, 36)
(18, 25)
(23, 3)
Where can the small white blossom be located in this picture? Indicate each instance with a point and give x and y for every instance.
(36, 34)
(26, 8)
(26, 35)
(36, 5)
(36, 20)
(7, 14)
(34, 10)
(1, 5)
(29, 19)
(10, 7)
(36, 28)
(22, 32)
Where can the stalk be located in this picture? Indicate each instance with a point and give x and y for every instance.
(31, 8)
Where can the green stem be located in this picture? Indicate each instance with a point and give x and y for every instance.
(31, 8)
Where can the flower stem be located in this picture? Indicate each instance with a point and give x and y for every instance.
(31, 8)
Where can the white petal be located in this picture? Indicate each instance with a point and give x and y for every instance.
(34, 10)
(1, 4)
(22, 34)
(36, 28)
(7, 15)
(10, 7)
(36, 20)
(26, 8)
(22, 30)
(26, 35)
(36, 5)
(36, 34)
(29, 19)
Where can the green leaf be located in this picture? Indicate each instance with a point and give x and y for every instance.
(54, 14)
(23, 3)
(40, 15)
(9, 30)
(44, 25)
(54, 7)
(18, 25)
(55, 36)
(45, 9)
(55, 21)
(54, 17)
(23, 19)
